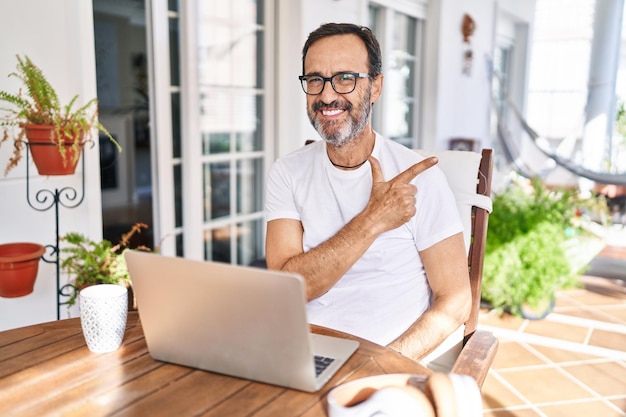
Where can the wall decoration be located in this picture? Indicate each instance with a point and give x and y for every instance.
(467, 29)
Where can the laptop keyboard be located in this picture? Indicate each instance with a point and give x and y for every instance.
(321, 363)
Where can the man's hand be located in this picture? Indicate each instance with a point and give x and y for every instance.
(392, 203)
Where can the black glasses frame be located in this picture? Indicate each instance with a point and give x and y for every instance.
(303, 79)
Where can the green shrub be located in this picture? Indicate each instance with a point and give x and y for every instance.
(525, 259)
(527, 269)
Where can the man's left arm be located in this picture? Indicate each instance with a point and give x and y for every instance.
(446, 268)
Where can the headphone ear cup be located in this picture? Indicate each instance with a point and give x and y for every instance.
(392, 395)
(425, 404)
(468, 398)
(440, 391)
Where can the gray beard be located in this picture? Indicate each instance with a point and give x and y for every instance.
(349, 131)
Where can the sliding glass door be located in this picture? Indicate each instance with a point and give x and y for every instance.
(211, 81)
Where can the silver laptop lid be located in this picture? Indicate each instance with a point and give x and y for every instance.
(240, 321)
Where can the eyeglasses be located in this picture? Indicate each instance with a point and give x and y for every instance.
(342, 82)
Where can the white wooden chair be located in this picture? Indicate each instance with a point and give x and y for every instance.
(469, 176)
(469, 351)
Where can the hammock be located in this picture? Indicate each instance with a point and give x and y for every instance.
(513, 155)
(510, 151)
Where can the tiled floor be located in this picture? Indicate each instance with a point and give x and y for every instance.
(570, 364)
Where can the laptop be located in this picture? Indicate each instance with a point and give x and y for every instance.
(240, 321)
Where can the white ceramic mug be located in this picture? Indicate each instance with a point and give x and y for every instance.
(103, 312)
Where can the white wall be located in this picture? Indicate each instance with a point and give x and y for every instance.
(58, 36)
(462, 101)
(455, 104)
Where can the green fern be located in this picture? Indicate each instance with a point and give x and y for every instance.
(91, 262)
(39, 104)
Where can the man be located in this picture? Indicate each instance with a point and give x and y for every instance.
(371, 227)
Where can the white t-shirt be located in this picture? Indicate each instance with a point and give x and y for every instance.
(386, 290)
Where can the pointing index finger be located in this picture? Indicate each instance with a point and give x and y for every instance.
(414, 170)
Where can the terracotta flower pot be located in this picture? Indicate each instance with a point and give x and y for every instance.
(19, 263)
(45, 152)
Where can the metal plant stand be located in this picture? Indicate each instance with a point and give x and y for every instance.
(45, 199)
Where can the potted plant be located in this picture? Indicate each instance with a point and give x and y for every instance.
(91, 262)
(37, 115)
(19, 264)
(527, 254)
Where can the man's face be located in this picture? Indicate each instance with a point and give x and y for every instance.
(340, 118)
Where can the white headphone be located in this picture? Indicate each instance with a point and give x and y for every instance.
(406, 395)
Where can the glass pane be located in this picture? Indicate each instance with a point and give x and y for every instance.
(249, 186)
(176, 126)
(399, 121)
(249, 241)
(217, 244)
(228, 36)
(226, 115)
(230, 70)
(172, 5)
(402, 59)
(180, 249)
(259, 11)
(401, 80)
(399, 83)
(216, 121)
(374, 13)
(215, 142)
(214, 63)
(501, 69)
(404, 33)
(216, 190)
(248, 123)
(178, 195)
(402, 69)
(174, 51)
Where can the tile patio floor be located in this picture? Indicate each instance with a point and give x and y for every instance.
(570, 364)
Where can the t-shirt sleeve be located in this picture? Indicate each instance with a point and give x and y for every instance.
(279, 195)
(437, 215)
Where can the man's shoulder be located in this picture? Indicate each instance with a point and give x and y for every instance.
(304, 152)
(299, 159)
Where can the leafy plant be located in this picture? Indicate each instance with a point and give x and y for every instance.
(90, 262)
(521, 207)
(39, 105)
(528, 269)
(525, 256)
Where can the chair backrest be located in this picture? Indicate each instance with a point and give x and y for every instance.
(480, 220)
(472, 194)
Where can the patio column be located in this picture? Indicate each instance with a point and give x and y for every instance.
(600, 111)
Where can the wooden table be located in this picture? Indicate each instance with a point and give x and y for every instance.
(47, 369)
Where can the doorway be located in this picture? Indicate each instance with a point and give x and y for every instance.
(122, 83)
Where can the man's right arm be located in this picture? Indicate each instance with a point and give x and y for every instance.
(322, 266)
